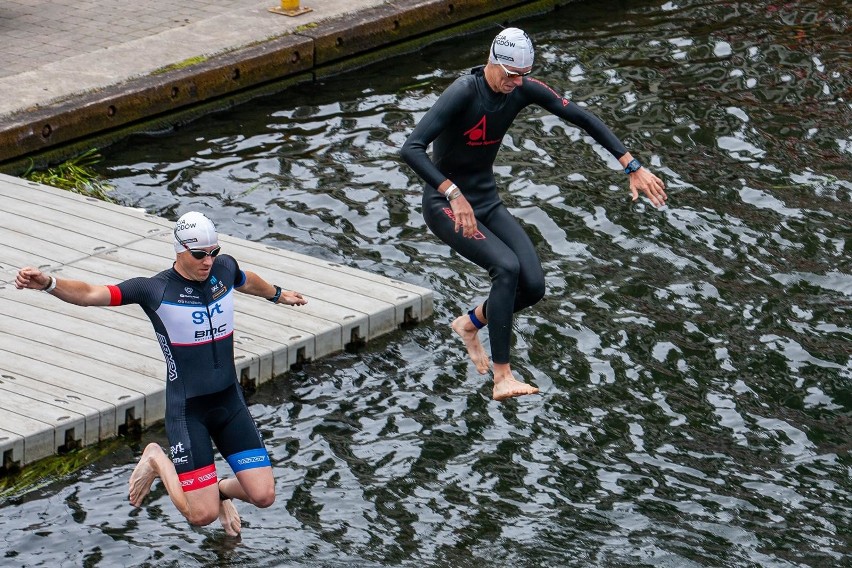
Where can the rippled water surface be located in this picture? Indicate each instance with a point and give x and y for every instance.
(695, 362)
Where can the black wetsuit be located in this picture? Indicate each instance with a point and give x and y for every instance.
(194, 324)
(466, 127)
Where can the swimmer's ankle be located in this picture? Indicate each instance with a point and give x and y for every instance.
(502, 371)
(477, 323)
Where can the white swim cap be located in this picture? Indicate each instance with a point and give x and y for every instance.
(512, 47)
(195, 231)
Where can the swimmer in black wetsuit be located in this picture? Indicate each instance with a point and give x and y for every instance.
(466, 127)
(191, 307)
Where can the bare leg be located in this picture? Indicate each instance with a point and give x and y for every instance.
(153, 464)
(200, 507)
(506, 385)
(255, 486)
(261, 493)
(470, 335)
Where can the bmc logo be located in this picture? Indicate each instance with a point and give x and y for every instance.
(207, 477)
(202, 333)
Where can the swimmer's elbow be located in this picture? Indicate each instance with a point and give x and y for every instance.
(413, 151)
(407, 152)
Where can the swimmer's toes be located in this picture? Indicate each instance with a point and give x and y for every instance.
(229, 518)
(516, 388)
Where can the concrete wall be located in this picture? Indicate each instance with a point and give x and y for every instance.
(59, 130)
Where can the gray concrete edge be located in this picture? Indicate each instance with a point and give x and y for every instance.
(80, 121)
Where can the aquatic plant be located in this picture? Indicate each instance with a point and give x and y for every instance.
(189, 62)
(76, 175)
(16, 482)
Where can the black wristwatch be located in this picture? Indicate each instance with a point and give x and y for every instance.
(632, 166)
(274, 299)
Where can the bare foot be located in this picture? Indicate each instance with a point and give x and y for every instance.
(469, 334)
(511, 387)
(229, 518)
(144, 474)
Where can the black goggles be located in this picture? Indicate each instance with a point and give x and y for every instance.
(200, 254)
(197, 254)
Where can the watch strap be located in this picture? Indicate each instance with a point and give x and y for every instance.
(632, 166)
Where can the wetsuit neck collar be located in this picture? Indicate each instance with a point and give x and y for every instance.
(486, 88)
(480, 72)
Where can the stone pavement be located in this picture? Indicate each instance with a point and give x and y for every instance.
(37, 33)
(56, 48)
(73, 69)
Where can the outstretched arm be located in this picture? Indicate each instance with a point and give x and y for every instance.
(71, 291)
(641, 179)
(257, 286)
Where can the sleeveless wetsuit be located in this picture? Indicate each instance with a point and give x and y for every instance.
(466, 126)
(194, 324)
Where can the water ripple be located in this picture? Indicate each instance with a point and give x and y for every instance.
(694, 361)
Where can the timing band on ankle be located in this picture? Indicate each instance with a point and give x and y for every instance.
(475, 320)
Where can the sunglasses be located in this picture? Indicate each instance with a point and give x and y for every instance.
(513, 74)
(199, 254)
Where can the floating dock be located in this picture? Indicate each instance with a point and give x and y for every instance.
(72, 376)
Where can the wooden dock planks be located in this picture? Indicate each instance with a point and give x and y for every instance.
(72, 376)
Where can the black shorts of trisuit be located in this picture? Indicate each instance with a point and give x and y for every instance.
(221, 418)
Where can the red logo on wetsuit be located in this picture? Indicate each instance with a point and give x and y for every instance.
(476, 135)
(477, 236)
(564, 100)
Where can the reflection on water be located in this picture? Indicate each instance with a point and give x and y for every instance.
(694, 361)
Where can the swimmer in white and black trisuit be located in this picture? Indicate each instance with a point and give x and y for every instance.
(462, 207)
(191, 307)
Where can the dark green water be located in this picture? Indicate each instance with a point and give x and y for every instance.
(695, 362)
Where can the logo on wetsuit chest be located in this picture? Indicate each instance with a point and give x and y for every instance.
(190, 296)
(200, 316)
(211, 332)
(217, 288)
(189, 324)
(476, 136)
